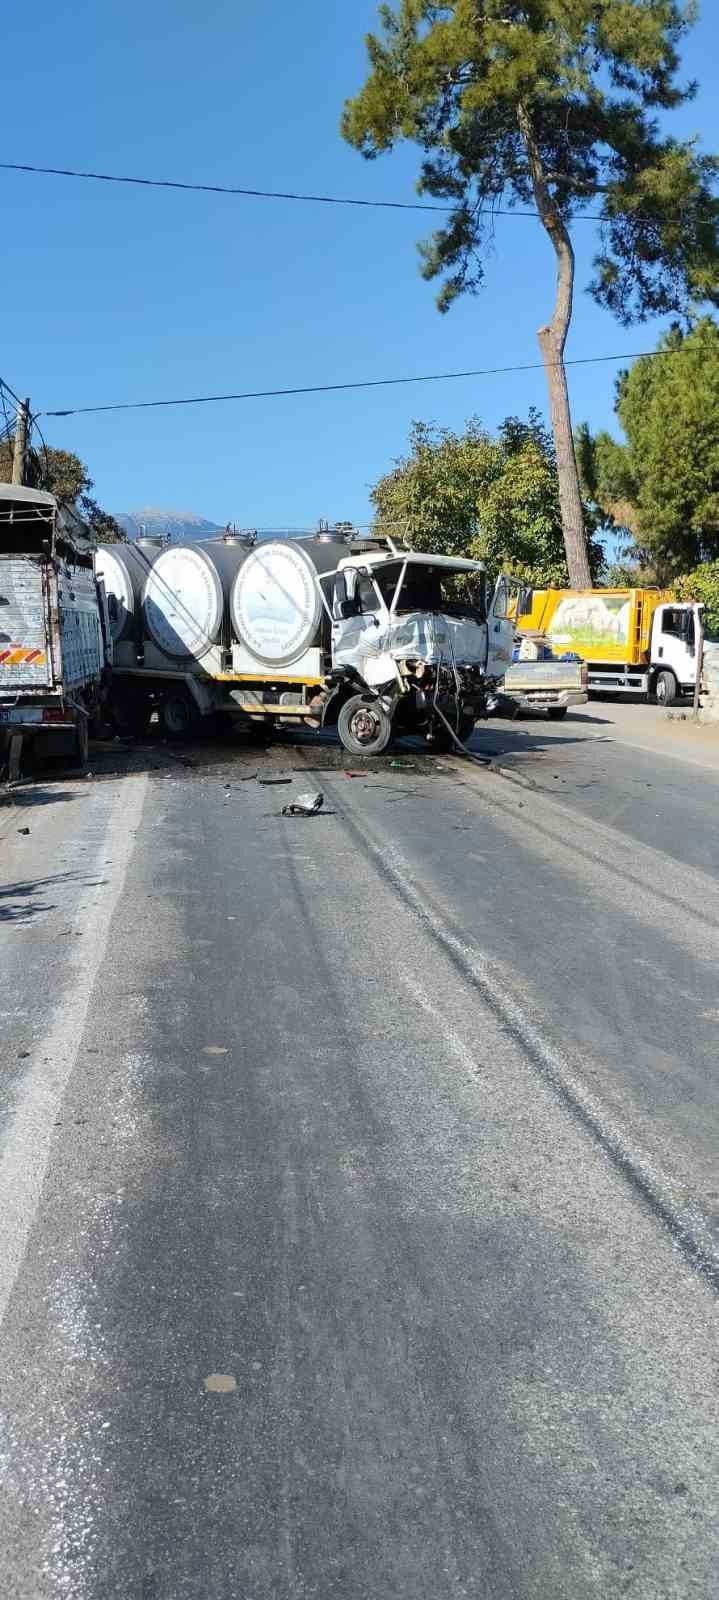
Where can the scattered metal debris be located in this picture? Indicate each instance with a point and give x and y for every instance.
(306, 805)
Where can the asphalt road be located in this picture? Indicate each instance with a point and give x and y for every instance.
(358, 1178)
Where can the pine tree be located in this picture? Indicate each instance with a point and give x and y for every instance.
(551, 103)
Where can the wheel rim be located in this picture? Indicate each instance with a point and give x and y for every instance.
(364, 725)
(661, 692)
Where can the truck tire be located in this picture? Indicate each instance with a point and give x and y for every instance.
(179, 715)
(666, 689)
(129, 714)
(555, 713)
(364, 726)
(440, 740)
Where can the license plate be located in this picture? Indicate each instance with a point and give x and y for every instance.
(28, 715)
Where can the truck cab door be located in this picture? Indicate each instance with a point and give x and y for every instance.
(356, 622)
(674, 642)
(500, 631)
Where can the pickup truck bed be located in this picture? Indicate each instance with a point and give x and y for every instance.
(549, 686)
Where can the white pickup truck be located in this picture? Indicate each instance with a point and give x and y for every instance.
(538, 681)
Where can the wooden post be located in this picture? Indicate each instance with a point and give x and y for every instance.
(19, 458)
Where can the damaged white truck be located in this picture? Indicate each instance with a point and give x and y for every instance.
(414, 649)
(364, 635)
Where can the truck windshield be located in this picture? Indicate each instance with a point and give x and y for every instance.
(427, 589)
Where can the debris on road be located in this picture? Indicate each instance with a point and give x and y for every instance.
(23, 830)
(306, 805)
(220, 1383)
(274, 777)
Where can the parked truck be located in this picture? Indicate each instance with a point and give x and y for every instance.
(55, 645)
(634, 641)
(364, 635)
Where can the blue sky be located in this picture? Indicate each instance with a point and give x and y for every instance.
(129, 294)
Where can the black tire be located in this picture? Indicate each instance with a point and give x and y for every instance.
(555, 713)
(440, 740)
(364, 727)
(179, 715)
(666, 689)
(129, 714)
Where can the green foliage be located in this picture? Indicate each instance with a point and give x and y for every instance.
(63, 474)
(702, 585)
(495, 500)
(662, 486)
(587, 77)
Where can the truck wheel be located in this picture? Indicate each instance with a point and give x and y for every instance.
(129, 714)
(440, 739)
(555, 713)
(666, 689)
(179, 715)
(364, 726)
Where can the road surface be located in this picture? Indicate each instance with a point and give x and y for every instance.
(358, 1178)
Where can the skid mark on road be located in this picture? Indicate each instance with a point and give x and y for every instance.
(681, 1217)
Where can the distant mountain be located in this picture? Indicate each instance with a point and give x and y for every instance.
(154, 523)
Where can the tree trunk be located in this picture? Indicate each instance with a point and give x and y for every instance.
(552, 340)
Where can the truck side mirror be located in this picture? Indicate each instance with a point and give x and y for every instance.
(525, 602)
(348, 608)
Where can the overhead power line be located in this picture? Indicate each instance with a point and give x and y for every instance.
(269, 194)
(5, 389)
(335, 388)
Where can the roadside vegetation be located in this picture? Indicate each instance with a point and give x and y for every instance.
(561, 108)
(650, 499)
(63, 474)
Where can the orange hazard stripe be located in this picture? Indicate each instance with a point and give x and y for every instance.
(16, 654)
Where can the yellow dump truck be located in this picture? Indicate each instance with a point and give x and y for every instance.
(634, 641)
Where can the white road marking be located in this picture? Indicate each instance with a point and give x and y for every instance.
(26, 1157)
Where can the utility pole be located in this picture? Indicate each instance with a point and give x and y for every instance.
(21, 432)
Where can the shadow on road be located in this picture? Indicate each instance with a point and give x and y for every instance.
(229, 753)
(20, 902)
(33, 794)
